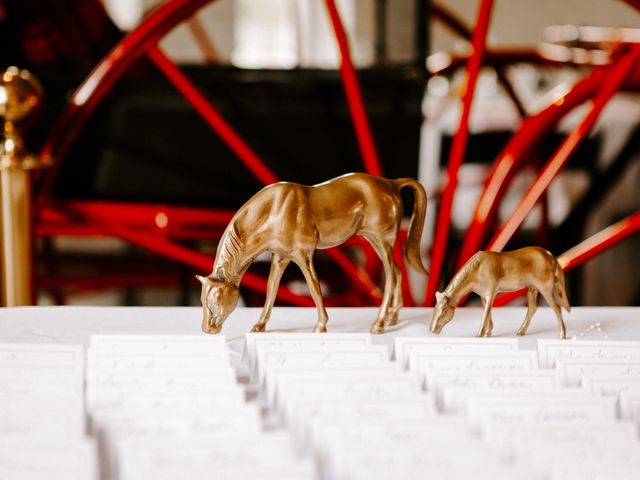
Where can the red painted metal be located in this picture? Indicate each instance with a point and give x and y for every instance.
(587, 249)
(353, 94)
(210, 115)
(532, 130)
(102, 78)
(166, 248)
(619, 72)
(458, 148)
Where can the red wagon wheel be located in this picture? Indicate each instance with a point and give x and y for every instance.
(116, 218)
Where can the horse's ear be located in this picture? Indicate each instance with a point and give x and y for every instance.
(201, 279)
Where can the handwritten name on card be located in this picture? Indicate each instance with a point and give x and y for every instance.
(301, 341)
(486, 411)
(610, 386)
(556, 433)
(150, 362)
(339, 356)
(572, 370)
(493, 362)
(551, 350)
(158, 343)
(405, 346)
(529, 379)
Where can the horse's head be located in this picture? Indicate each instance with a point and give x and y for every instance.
(219, 299)
(442, 313)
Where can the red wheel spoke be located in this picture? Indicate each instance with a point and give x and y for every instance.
(564, 151)
(353, 94)
(458, 149)
(357, 273)
(212, 117)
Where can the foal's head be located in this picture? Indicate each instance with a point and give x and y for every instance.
(219, 299)
(442, 312)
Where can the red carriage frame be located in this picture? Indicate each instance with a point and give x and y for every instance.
(159, 228)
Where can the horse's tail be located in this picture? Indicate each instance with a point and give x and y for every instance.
(412, 248)
(558, 283)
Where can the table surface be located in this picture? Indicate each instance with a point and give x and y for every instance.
(76, 324)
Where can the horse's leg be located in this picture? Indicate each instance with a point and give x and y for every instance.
(532, 305)
(278, 265)
(385, 252)
(396, 299)
(547, 293)
(487, 323)
(305, 262)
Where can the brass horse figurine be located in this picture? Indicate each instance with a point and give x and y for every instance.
(487, 273)
(291, 221)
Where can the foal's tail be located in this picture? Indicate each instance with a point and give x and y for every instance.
(412, 248)
(558, 283)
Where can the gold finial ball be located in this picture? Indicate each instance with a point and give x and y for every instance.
(20, 94)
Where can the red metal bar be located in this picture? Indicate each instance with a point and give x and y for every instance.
(587, 249)
(564, 151)
(357, 273)
(99, 82)
(458, 148)
(353, 94)
(510, 159)
(166, 248)
(211, 116)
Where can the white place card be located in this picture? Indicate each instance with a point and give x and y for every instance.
(528, 379)
(142, 380)
(63, 420)
(347, 390)
(303, 341)
(479, 361)
(34, 459)
(327, 436)
(610, 386)
(417, 408)
(405, 346)
(158, 343)
(541, 411)
(321, 357)
(150, 362)
(563, 433)
(455, 399)
(282, 375)
(630, 406)
(572, 370)
(127, 400)
(621, 462)
(121, 425)
(551, 350)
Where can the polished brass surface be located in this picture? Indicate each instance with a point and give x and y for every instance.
(291, 221)
(20, 95)
(487, 273)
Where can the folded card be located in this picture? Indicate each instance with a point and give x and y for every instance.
(158, 343)
(551, 350)
(405, 346)
(478, 361)
(572, 370)
(304, 341)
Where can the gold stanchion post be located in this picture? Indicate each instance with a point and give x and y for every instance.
(20, 95)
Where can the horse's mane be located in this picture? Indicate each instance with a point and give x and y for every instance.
(462, 274)
(230, 251)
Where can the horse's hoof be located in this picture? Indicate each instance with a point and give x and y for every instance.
(521, 332)
(563, 336)
(258, 327)
(320, 329)
(377, 328)
(391, 320)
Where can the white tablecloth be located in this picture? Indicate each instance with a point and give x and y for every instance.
(76, 324)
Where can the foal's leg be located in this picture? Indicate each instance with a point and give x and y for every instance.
(278, 265)
(305, 262)
(532, 305)
(547, 293)
(487, 323)
(385, 252)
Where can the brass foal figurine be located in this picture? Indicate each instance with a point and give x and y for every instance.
(292, 221)
(487, 273)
